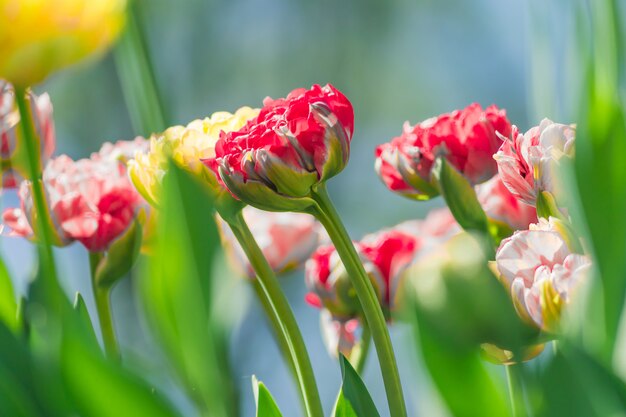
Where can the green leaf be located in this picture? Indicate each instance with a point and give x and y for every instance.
(575, 384)
(177, 292)
(265, 404)
(460, 197)
(121, 255)
(354, 399)
(102, 388)
(83, 315)
(8, 305)
(601, 175)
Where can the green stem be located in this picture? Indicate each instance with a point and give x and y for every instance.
(32, 147)
(328, 216)
(136, 75)
(281, 314)
(360, 352)
(275, 323)
(516, 391)
(102, 297)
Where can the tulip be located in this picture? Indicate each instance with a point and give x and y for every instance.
(293, 145)
(466, 138)
(542, 272)
(90, 200)
(186, 146)
(280, 161)
(500, 204)
(286, 239)
(11, 141)
(38, 37)
(529, 163)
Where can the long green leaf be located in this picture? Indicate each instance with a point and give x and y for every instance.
(8, 305)
(265, 404)
(177, 293)
(99, 387)
(354, 400)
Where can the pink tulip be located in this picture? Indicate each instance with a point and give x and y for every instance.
(90, 200)
(286, 239)
(528, 163)
(541, 272)
(500, 204)
(11, 136)
(339, 336)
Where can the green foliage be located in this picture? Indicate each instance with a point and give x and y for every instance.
(460, 197)
(177, 294)
(265, 404)
(354, 400)
(601, 172)
(97, 386)
(8, 305)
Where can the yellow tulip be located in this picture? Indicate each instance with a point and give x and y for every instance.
(38, 37)
(186, 146)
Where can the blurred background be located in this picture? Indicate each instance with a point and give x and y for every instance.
(395, 60)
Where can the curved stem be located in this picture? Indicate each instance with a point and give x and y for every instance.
(102, 297)
(32, 148)
(275, 323)
(359, 355)
(516, 394)
(280, 313)
(328, 216)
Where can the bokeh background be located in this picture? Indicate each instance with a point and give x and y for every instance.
(395, 60)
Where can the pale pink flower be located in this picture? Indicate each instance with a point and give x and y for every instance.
(90, 200)
(11, 136)
(529, 163)
(500, 204)
(122, 150)
(541, 272)
(339, 336)
(286, 239)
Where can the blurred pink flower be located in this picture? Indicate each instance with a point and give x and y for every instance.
(286, 239)
(528, 163)
(339, 336)
(122, 150)
(90, 200)
(500, 204)
(541, 272)
(10, 134)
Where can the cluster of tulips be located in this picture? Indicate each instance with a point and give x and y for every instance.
(496, 268)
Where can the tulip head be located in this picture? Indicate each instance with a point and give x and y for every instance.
(466, 138)
(38, 37)
(294, 144)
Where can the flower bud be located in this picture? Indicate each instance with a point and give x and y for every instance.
(12, 150)
(466, 138)
(541, 272)
(294, 144)
(90, 200)
(40, 37)
(529, 163)
(186, 146)
(286, 239)
(339, 336)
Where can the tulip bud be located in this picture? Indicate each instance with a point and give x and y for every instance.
(90, 200)
(339, 336)
(542, 272)
(40, 37)
(12, 151)
(293, 145)
(454, 291)
(466, 138)
(530, 163)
